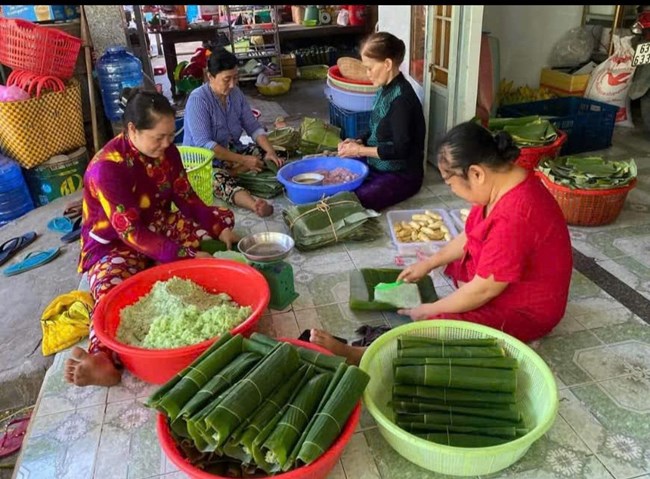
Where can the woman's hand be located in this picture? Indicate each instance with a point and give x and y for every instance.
(351, 148)
(229, 237)
(252, 163)
(274, 158)
(416, 314)
(415, 272)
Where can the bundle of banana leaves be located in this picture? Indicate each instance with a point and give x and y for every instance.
(258, 406)
(263, 184)
(334, 219)
(287, 137)
(526, 131)
(589, 172)
(457, 392)
(317, 136)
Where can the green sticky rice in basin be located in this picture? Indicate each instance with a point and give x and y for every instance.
(176, 313)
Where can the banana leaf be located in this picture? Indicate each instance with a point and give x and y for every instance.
(461, 377)
(363, 282)
(153, 400)
(410, 408)
(199, 374)
(589, 172)
(264, 183)
(449, 395)
(422, 422)
(283, 439)
(526, 131)
(335, 219)
(247, 395)
(496, 124)
(331, 418)
(417, 400)
(223, 380)
(496, 431)
(309, 356)
(434, 351)
(317, 136)
(463, 440)
(499, 363)
(287, 137)
(420, 341)
(271, 407)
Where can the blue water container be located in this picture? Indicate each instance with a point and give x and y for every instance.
(15, 199)
(117, 69)
(192, 13)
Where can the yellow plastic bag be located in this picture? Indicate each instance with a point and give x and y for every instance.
(65, 321)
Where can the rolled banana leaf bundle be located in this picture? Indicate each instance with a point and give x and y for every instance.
(335, 219)
(287, 138)
(317, 136)
(263, 184)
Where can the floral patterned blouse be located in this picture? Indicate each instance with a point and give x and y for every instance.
(124, 190)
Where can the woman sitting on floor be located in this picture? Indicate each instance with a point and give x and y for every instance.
(394, 146)
(127, 222)
(216, 115)
(512, 264)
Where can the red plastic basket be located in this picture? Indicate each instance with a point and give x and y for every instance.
(588, 207)
(45, 51)
(243, 283)
(319, 469)
(531, 156)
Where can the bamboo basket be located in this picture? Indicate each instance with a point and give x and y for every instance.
(352, 68)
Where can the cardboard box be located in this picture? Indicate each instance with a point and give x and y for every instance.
(41, 13)
(563, 84)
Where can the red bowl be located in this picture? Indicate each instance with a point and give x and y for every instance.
(243, 283)
(319, 469)
(335, 73)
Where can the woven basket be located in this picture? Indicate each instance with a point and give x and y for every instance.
(198, 165)
(352, 68)
(531, 156)
(588, 207)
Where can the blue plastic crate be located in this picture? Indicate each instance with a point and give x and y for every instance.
(351, 123)
(589, 123)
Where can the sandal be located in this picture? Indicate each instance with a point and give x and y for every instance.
(31, 261)
(12, 246)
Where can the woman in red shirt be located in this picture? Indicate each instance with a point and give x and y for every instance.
(512, 264)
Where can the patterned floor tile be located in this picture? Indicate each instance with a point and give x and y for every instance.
(618, 434)
(337, 472)
(338, 319)
(559, 352)
(128, 446)
(130, 388)
(582, 287)
(282, 325)
(560, 453)
(610, 317)
(631, 272)
(357, 459)
(62, 445)
(591, 306)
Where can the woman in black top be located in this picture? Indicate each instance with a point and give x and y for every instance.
(394, 146)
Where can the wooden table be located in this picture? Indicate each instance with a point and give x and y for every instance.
(171, 37)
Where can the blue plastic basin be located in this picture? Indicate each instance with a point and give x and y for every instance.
(301, 194)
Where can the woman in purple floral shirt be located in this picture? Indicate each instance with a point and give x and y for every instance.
(128, 224)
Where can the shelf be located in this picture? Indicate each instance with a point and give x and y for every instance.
(248, 55)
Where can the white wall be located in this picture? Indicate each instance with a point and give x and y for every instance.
(527, 35)
(396, 19)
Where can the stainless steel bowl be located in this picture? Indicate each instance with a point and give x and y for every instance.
(310, 179)
(266, 247)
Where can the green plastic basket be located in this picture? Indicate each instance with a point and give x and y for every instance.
(198, 165)
(536, 395)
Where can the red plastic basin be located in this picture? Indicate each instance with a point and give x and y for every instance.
(243, 283)
(319, 469)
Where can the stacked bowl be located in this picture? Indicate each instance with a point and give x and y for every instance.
(348, 93)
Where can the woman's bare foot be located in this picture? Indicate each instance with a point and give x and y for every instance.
(352, 354)
(85, 369)
(263, 208)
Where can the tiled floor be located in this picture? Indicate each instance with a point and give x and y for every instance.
(600, 356)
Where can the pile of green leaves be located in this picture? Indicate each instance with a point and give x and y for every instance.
(526, 131)
(589, 172)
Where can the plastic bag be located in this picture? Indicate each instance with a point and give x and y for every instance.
(65, 321)
(573, 49)
(13, 93)
(610, 82)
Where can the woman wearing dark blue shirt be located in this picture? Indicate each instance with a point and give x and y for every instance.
(216, 115)
(394, 145)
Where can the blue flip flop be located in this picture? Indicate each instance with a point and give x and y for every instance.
(14, 245)
(60, 224)
(75, 234)
(31, 261)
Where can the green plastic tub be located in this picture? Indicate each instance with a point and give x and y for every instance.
(536, 395)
